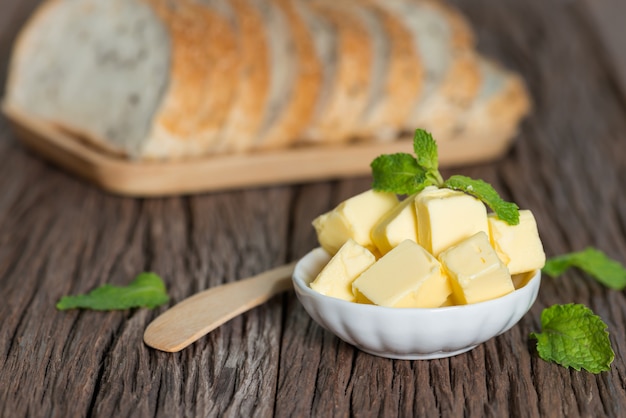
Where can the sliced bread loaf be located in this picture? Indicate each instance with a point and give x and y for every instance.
(169, 79)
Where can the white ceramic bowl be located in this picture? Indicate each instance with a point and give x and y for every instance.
(410, 333)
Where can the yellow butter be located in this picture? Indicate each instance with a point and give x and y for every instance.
(397, 225)
(476, 273)
(337, 276)
(446, 217)
(406, 277)
(354, 218)
(518, 246)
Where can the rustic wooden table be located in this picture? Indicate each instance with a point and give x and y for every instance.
(60, 235)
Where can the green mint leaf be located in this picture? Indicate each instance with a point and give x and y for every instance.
(147, 290)
(507, 211)
(425, 149)
(398, 173)
(573, 336)
(592, 261)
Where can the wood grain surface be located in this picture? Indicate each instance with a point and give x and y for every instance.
(60, 235)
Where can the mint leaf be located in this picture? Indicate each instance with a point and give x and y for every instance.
(592, 261)
(147, 290)
(425, 148)
(573, 336)
(397, 173)
(507, 211)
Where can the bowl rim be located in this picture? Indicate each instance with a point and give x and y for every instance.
(529, 286)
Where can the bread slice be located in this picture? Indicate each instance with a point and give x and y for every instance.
(396, 80)
(459, 75)
(492, 120)
(380, 46)
(445, 43)
(201, 88)
(299, 103)
(253, 81)
(441, 111)
(97, 69)
(283, 67)
(345, 46)
(460, 84)
(324, 36)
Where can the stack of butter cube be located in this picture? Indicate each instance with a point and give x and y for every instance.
(439, 247)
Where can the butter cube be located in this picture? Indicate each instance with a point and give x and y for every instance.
(353, 218)
(337, 276)
(406, 277)
(446, 217)
(518, 246)
(396, 226)
(476, 273)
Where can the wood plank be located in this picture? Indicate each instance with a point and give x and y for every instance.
(608, 17)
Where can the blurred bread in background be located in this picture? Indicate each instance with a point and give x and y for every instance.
(161, 79)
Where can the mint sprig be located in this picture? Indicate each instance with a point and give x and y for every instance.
(407, 174)
(398, 173)
(573, 336)
(147, 290)
(592, 261)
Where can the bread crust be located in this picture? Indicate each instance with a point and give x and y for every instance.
(201, 87)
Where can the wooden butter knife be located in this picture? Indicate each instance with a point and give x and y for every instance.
(196, 316)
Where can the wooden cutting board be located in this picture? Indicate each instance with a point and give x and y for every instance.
(160, 178)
